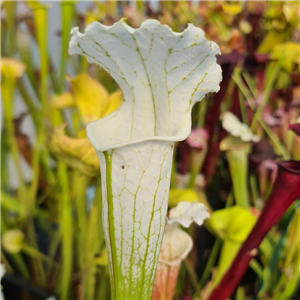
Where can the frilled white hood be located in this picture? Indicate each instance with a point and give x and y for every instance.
(162, 75)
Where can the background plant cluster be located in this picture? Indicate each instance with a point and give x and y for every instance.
(51, 224)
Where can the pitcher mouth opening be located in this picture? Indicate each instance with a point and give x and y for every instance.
(171, 138)
(292, 166)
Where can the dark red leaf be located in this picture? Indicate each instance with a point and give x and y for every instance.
(285, 191)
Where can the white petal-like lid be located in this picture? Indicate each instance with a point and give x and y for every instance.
(185, 213)
(162, 74)
(238, 129)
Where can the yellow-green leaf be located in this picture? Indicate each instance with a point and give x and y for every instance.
(76, 153)
(12, 68)
(232, 8)
(114, 101)
(65, 100)
(178, 195)
(12, 240)
(90, 96)
(288, 54)
(272, 39)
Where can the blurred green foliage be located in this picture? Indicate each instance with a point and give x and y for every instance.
(51, 223)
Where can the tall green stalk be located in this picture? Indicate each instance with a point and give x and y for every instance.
(237, 156)
(274, 70)
(79, 185)
(257, 119)
(67, 13)
(10, 7)
(92, 247)
(41, 33)
(196, 162)
(238, 164)
(66, 223)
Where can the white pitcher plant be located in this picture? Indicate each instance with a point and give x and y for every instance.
(176, 246)
(162, 74)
